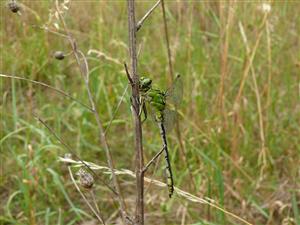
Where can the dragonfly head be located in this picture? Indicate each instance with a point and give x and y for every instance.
(145, 84)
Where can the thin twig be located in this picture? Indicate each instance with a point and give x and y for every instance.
(153, 159)
(95, 201)
(226, 24)
(51, 31)
(128, 74)
(104, 56)
(140, 23)
(73, 153)
(167, 40)
(249, 61)
(117, 109)
(269, 52)
(99, 217)
(50, 87)
(156, 165)
(184, 212)
(139, 158)
(263, 153)
(236, 105)
(102, 137)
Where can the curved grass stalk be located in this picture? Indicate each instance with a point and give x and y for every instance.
(49, 87)
(188, 196)
(116, 110)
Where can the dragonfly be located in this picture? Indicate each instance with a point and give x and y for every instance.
(163, 106)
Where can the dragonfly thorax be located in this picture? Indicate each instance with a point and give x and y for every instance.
(157, 99)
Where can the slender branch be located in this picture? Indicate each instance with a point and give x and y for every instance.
(263, 153)
(167, 40)
(128, 75)
(95, 201)
(225, 31)
(237, 102)
(139, 214)
(103, 141)
(140, 23)
(102, 137)
(249, 60)
(153, 159)
(99, 217)
(117, 109)
(50, 87)
(73, 152)
(50, 31)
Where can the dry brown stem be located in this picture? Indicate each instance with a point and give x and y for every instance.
(140, 23)
(237, 103)
(134, 81)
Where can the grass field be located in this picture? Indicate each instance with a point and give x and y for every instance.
(239, 124)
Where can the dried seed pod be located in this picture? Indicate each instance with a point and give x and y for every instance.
(86, 180)
(59, 55)
(13, 6)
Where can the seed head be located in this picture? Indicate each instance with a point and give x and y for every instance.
(59, 55)
(13, 6)
(86, 180)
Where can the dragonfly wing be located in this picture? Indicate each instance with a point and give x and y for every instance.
(151, 110)
(175, 92)
(170, 116)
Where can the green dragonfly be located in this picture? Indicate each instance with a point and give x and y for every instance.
(163, 105)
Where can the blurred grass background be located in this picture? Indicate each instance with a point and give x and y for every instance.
(240, 121)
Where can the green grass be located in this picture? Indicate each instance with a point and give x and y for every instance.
(36, 189)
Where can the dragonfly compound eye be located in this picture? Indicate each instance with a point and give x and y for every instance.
(145, 84)
(148, 81)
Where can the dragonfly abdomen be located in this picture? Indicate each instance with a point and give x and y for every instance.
(170, 181)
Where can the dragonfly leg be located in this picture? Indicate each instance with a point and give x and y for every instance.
(145, 112)
(143, 109)
(141, 106)
(131, 103)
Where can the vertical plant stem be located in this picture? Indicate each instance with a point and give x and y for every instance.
(84, 70)
(237, 102)
(14, 103)
(139, 159)
(224, 43)
(262, 154)
(269, 49)
(97, 214)
(104, 143)
(167, 40)
(31, 186)
(223, 56)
